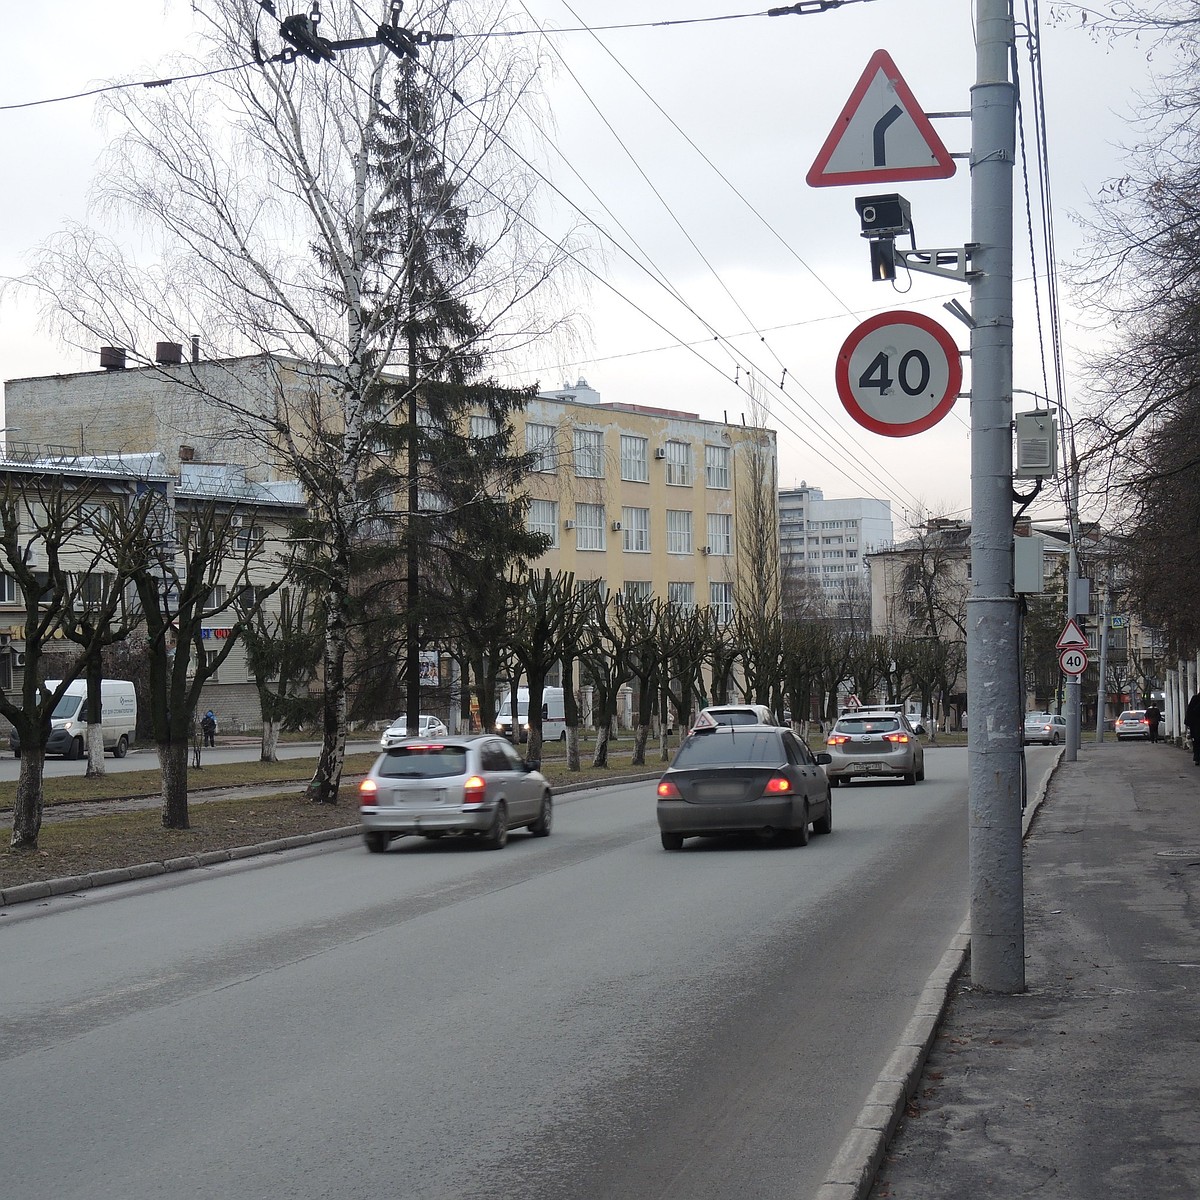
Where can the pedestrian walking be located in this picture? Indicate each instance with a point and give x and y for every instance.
(1191, 718)
(1153, 720)
(208, 726)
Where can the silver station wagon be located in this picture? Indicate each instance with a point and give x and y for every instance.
(476, 785)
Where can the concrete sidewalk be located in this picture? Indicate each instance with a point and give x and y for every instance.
(1088, 1083)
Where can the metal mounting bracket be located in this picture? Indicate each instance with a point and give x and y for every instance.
(950, 263)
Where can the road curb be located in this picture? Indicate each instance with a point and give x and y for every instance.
(44, 889)
(851, 1175)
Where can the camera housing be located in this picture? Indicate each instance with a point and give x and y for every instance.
(886, 216)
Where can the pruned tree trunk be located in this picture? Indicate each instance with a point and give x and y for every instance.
(27, 805)
(269, 752)
(172, 760)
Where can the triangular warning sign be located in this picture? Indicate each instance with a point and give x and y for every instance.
(882, 135)
(1071, 635)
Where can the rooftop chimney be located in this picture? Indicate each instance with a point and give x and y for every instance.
(170, 354)
(195, 347)
(186, 453)
(112, 358)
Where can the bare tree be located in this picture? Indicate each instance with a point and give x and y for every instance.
(52, 542)
(269, 189)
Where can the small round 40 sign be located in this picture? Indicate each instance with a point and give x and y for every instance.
(1073, 660)
(898, 373)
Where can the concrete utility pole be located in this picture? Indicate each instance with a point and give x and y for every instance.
(1073, 689)
(993, 624)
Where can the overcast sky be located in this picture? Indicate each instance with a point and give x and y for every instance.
(780, 270)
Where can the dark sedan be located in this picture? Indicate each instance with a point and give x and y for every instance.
(744, 779)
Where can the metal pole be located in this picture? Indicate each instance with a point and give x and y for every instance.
(993, 627)
(1102, 686)
(1074, 684)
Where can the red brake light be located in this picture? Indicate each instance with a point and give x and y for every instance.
(777, 785)
(473, 790)
(898, 738)
(668, 791)
(367, 793)
(837, 739)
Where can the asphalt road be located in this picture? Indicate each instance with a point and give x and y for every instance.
(584, 1017)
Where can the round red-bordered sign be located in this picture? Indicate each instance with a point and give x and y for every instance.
(898, 373)
(1073, 660)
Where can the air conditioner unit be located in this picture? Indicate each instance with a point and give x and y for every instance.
(616, 527)
(1037, 445)
(660, 452)
(705, 549)
(19, 658)
(568, 524)
(235, 522)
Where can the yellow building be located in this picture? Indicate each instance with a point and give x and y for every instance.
(652, 501)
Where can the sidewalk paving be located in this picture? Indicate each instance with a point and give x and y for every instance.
(1088, 1083)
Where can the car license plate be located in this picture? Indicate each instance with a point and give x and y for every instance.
(418, 795)
(867, 766)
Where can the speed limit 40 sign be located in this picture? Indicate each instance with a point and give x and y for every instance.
(1073, 660)
(898, 373)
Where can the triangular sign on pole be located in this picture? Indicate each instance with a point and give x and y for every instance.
(1071, 635)
(882, 135)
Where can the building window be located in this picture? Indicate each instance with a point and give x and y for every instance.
(543, 518)
(637, 589)
(217, 597)
(483, 427)
(589, 453)
(210, 657)
(720, 533)
(249, 537)
(8, 589)
(679, 464)
(635, 459)
(716, 466)
(635, 526)
(541, 443)
(682, 595)
(589, 526)
(679, 531)
(720, 600)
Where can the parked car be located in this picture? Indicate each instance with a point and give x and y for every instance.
(875, 744)
(462, 785)
(735, 714)
(1132, 723)
(427, 727)
(1047, 729)
(743, 778)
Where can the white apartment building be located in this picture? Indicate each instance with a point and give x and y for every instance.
(825, 542)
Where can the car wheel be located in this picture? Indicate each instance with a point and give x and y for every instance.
(1054, 740)
(825, 824)
(835, 781)
(376, 842)
(672, 841)
(562, 737)
(910, 780)
(799, 835)
(541, 827)
(122, 747)
(16, 754)
(496, 838)
(76, 750)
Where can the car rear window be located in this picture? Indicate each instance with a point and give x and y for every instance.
(736, 716)
(708, 749)
(423, 762)
(867, 725)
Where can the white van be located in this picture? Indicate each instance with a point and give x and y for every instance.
(554, 721)
(68, 722)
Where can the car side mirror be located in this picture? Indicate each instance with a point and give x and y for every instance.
(532, 764)
(823, 758)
